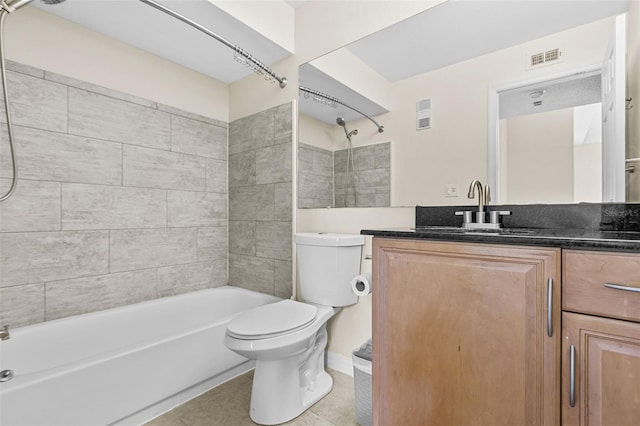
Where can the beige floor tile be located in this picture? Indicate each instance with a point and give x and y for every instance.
(309, 419)
(225, 405)
(228, 405)
(338, 407)
(167, 419)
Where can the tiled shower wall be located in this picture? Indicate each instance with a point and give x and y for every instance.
(315, 177)
(120, 200)
(260, 203)
(370, 185)
(322, 177)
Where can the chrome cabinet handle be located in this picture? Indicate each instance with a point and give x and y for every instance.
(622, 287)
(572, 382)
(550, 307)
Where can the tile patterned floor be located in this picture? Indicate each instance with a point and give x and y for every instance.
(228, 405)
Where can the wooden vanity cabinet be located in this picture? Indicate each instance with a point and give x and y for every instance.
(461, 334)
(601, 329)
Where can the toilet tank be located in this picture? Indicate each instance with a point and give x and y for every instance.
(326, 265)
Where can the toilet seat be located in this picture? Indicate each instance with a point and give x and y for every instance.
(272, 320)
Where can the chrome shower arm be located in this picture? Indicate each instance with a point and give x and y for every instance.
(338, 101)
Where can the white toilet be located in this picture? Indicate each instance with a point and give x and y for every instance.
(288, 338)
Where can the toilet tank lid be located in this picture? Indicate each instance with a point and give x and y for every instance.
(328, 239)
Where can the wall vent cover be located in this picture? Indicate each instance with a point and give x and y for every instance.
(547, 57)
(423, 114)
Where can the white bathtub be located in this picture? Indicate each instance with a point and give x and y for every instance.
(124, 365)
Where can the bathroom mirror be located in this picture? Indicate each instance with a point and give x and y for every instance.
(436, 87)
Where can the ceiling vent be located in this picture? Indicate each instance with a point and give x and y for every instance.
(423, 114)
(547, 57)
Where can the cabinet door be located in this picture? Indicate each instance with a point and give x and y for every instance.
(606, 371)
(461, 334)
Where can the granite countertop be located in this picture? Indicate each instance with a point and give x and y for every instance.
(597, 226)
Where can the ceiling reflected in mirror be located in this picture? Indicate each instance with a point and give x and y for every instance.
(439, 55)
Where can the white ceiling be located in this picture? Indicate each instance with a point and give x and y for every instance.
(457, 30)
(146, 28)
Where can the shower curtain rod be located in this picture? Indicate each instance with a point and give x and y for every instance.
(332, 99)
(241, 55)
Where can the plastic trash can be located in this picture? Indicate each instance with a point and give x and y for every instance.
(362, 382)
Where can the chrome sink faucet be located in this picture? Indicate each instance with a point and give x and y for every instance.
(484, 198)
(475, 184)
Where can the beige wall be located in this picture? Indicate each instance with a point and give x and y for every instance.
(587, 172)
(539, 157)
(45, 41)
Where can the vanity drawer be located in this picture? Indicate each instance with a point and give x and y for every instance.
(584, 275)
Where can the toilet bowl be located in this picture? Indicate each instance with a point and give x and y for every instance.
(289, 376)
(287, 339)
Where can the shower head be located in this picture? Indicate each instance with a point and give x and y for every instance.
(343, 124)
(13, 5)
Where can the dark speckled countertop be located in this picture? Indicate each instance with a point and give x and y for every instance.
(586, 226)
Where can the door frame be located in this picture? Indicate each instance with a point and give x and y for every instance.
(493, 108)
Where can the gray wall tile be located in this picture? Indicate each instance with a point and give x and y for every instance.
(35, 103)
(21, 305)
(311, 203)
(198, 138)
(273, 240)
(103, 117)
(63, 158)
(273, 164)
(213, 242)
(242, 237)
(283, 120)
(112, 207)
(252, 203)
(370, 185)
(148, 248)
(29, 257)
(82, 295)
(34, 206)
(314, 160)
(152, 168)
(260, 199)
(180, 279)
(216, 176)
(252, 273)
(187, 208)
(242, 169)
(252, 132)
(364, 157)
(315, 189)
(284, 280)
(283, 208)
(24, 69)
(315, 177)
(87, 230)
(382, 155)
(191, 115)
